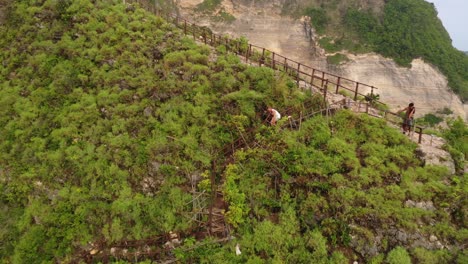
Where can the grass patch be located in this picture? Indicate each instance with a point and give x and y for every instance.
(224, 17)
(337, 59)
(208, 6)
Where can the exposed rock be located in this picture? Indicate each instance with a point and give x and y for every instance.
(173, 241)
(123, 85)
(382, 239)
(364, 247)
(401, 236)
(148, 111)
(130, 8)
(154, 180)
(428, 205)
(422, 84)
(433, 153)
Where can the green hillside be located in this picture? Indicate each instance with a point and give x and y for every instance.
(112, 123)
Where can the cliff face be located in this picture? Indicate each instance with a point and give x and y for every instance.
(262, 23)
(422, 84)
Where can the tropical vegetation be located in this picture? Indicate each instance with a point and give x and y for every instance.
(115, 126)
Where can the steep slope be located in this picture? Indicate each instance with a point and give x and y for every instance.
(109, 119)
(112, 122)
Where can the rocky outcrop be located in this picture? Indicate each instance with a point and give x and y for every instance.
(369, 242)
(393, 237)
(433, 153)
(3, 10)
(263, 24)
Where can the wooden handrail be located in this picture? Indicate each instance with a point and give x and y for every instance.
(291, 67)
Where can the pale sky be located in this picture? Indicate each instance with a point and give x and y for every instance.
(454, 16)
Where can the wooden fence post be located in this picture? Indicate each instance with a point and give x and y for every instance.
(247, 54)
(273, 61)
(356, 91)
(312, 78)
(262, 59)
(298, 73)
(325, 89)
(323, 78)
(338, 82)
(420, 134)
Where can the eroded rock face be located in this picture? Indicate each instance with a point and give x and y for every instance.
(262, 23)
(422, 84)
(433, 152)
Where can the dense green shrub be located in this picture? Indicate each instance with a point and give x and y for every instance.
(425, 256)
(457, 134)
(429, 120)
(457, 137)
(318, 18)
(398, 255)
(365, 24)
(208, 5)
(337, 59)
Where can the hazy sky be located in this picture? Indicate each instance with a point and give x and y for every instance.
(454, 16)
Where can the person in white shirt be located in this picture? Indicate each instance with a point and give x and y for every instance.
(275, 115)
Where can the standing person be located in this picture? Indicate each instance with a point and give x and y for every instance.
(275, 115)
(409, 116)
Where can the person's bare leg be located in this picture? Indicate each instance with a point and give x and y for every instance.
(273, 121)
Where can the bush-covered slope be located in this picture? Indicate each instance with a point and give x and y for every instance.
(106, 113)
(111, 119)
(341, 183)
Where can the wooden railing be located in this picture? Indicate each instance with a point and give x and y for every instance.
(396, 119)
(323, 81)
